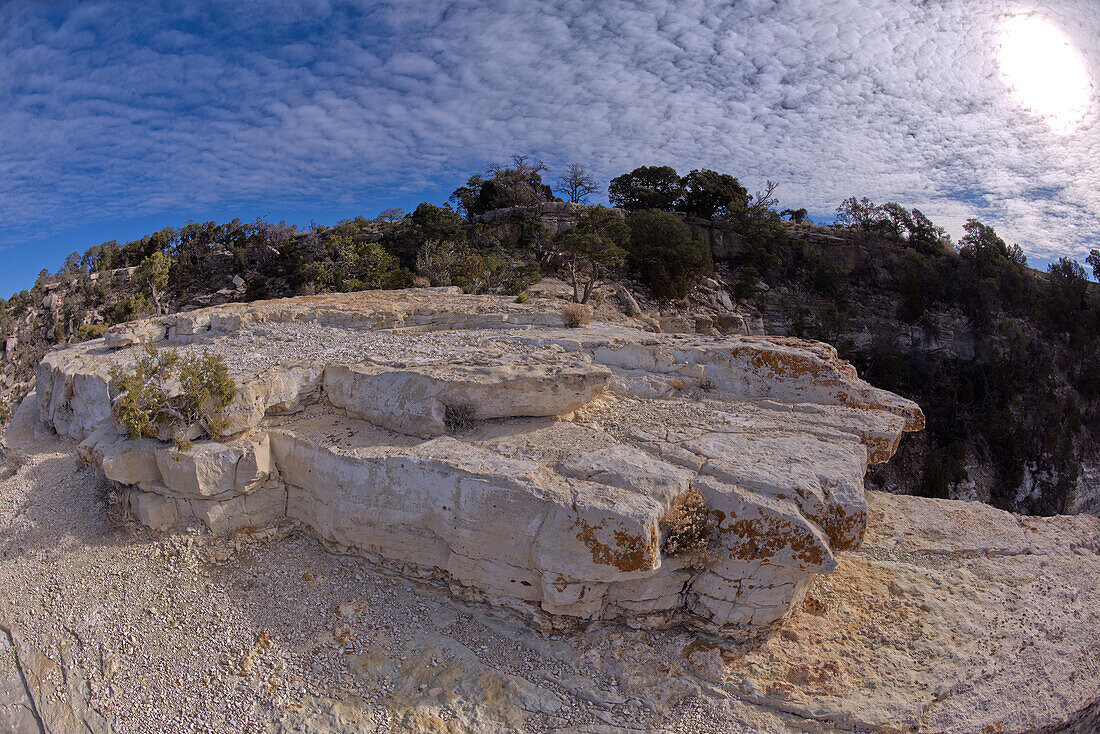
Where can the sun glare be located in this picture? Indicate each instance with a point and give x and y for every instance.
(1044, 71)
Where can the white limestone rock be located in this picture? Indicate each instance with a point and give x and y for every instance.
(153, 510)
(414, 400)
(213, 469)
(278, 390)
(135, 332)
(549, 501)
(629, 468)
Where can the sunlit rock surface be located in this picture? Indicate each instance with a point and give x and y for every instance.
(547, 497)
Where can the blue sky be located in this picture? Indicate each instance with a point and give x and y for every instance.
(118, 118)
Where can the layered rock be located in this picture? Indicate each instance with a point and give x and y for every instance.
(481, 444)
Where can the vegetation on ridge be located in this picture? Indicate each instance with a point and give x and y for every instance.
(146, 405)
(1003, 359)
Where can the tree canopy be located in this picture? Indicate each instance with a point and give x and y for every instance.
(664, 253)
(590, 249)
(646, 187)
(710, 194)
(520, 184)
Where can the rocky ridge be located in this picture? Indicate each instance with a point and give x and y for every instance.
(947, 617)
(550, 502)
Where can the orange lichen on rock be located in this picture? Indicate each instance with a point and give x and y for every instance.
(632, 552)
(753, 539)
(787, 365)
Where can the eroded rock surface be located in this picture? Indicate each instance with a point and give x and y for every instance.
(480, 444)
(950, 617)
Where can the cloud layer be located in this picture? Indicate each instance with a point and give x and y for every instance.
(111, 110)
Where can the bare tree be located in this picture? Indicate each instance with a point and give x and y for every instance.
(577, 183)
(764, 200)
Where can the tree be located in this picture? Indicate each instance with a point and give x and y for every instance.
(896, 222)
(518, 185)
(862, 214)
(798, 216)
(100, 257)
(427, 223)
(982, 243)
(646, 187)
(466, 198)
(1094, 260)
(664, 253)
(389, 216)
(72, 264)
(137, 250)
(577, 184)
(1065, 298)
(762, 205)
(1068, 270)
(152, 273)
(370, 266)
(436, 260)
(709, 194)
(925, 236)
(591, 248)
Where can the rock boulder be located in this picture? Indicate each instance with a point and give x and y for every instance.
(481, 445)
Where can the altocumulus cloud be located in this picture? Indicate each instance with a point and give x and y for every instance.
(111, 109)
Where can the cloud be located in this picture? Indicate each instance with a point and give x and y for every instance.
(115, 109)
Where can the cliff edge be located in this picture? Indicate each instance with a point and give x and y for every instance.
(511, 570)
(547, 496)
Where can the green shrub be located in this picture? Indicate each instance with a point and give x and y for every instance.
(134, 307)
(257, 289)
(521, 277)
(825, 277)
(141, 396)
(664, 254)
(207, 392)
(144, 408)
(747, 284)
(87, 332)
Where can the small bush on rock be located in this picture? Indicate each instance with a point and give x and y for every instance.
(576, 315)
(143, 406)
(207, 392)
(690, 530)
(459, 417)
(86, 332)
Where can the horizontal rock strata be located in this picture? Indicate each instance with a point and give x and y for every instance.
(482, 444)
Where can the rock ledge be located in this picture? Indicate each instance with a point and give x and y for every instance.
(550, 503)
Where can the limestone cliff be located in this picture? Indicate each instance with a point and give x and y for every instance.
(837, 610)
(551, 503)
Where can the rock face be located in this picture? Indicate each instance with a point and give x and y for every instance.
(482, 445)
(949, 617)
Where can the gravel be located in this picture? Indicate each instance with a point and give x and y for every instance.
(258, 347)
(266, 630)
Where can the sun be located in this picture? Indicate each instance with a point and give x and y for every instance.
(1044, 72)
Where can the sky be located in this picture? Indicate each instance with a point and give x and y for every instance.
(119, 118)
